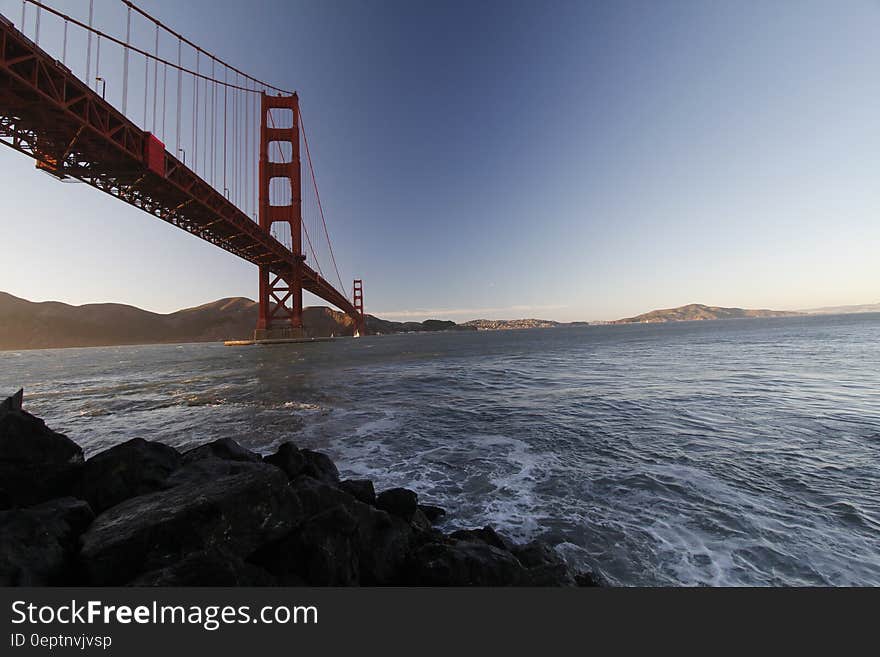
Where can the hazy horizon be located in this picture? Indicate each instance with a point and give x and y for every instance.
(571, 161)
(457, 315)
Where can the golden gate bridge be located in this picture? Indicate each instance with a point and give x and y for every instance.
(184, 136)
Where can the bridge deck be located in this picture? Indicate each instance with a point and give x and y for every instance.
(47, 113)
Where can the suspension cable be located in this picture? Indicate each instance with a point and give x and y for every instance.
(198, 48)
(302, 127)
(120, 42)
(305, 229)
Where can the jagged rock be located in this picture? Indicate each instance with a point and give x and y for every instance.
(212, 567)
(464, 563)
(486, 535)
(327, 545)
(360, 489)
(420, 522)
(400, 502)
(432, 513)
(133, 468)
(218, 459)
(221, 515)
(240, 511)
(536, 553)
(384, 543)
(381, 541)
(225, 449)
(544, 566)
(289, 458)
(36, 463)
(321, 467)
(37, 544)
(589, 579)
(13, 403)
(316, 496)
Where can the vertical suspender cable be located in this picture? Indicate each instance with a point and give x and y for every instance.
(37, 27)
(234, 193)
(155, 76)
(164, 97)
(239, 144)
(179, 92)
(196, 116)
(98, 63)
(205, 134)
(125, 64)
(146, 87)
(89, 44)
(213, 127)
(23, 13)
(225, 95)
(64, 48)
(256, 162)
(237, 158)
(247, 149)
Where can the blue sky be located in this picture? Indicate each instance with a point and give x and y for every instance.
(568, 160)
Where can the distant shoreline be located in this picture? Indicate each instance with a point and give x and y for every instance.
(557, 325)
(27, 325)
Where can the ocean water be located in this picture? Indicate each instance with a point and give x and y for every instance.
(707, 453)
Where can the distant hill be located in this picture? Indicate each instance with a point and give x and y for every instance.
(697, 312)
(50, 324)
(845, 310)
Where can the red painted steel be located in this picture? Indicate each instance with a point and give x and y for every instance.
(154, 155)
(357, 297)
(47, 113)
(281, 294)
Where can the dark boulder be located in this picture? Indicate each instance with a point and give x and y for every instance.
(544, 566)
(400, 502)
(485, 535)
(315, 496)
(225, 449)
(420, 523)
(321, 467)
(384, 543)
(464, 563)
(360, 489)
(289, 458)
(238, 511)
(536, 553)
(327, 547)
(36, 463)
(136, 467)
(37, 544)
(589, 579)
(12, 403)
(433, 513)
(381, 541)
(211, 567)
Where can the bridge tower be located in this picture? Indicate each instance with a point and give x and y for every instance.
(281, 299)
(357, 298)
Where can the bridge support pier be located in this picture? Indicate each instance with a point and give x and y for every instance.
(281, 295)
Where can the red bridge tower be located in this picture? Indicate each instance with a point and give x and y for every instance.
(281, 299)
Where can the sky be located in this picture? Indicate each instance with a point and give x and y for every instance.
(561, 160)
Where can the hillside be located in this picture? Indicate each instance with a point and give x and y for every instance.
(29, 325)
(699, 312)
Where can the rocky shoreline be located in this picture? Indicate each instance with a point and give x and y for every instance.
(143, 514)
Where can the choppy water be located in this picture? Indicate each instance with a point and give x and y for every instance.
(741, 452)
